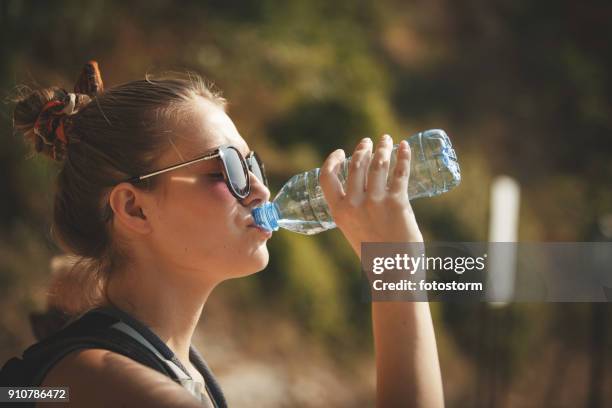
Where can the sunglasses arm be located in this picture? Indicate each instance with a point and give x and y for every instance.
(136, 179)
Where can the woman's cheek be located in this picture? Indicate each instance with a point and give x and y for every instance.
(220, 190)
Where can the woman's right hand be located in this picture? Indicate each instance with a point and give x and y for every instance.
(407, 366)
(366, 210)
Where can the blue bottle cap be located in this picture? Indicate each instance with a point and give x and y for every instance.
(266, 216)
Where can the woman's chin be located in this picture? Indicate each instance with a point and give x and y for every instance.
(256, 261)
(261, 257)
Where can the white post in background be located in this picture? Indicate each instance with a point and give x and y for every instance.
(503, 227)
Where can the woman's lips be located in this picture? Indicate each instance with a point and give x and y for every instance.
(250, 221)
(264, 232)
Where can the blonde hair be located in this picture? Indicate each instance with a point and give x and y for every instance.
(118, 133)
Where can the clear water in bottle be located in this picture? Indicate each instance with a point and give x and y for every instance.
(301, 207)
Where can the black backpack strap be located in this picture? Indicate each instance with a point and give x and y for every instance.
(95, 329)
(89, 331)
(109, 339)
(211, 383)
(92, 330)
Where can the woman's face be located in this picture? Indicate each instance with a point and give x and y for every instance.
(198, 226)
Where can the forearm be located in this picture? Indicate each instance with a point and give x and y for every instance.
(407, 367)
(373, 206)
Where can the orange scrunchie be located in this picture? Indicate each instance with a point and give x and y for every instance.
(54, 125)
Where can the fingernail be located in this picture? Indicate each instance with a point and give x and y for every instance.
(386, 137)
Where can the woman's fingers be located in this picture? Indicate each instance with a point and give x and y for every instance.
(401, 173)
(356, 182)
(328, 177)
(379, 169)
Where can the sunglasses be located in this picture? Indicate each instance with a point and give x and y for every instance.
(235, 169)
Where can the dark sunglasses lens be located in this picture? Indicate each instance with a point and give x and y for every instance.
(236, 172)
(257, 169)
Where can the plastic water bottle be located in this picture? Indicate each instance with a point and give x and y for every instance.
(301, 207)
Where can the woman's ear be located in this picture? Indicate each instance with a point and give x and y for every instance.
(129, 207)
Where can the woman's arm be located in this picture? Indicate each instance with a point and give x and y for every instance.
(366, 210)
(407, 369)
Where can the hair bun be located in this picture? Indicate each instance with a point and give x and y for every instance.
(42, 115)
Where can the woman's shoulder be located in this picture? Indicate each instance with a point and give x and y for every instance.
(99, 377)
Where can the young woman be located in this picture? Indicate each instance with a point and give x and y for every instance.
(154, 198)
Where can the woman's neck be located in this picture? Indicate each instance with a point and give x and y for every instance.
(156, 295)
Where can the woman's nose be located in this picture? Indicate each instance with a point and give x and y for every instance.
(259, 192)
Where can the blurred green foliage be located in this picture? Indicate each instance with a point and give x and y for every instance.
(523, 88)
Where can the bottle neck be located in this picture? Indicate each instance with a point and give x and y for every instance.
(266, 216)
